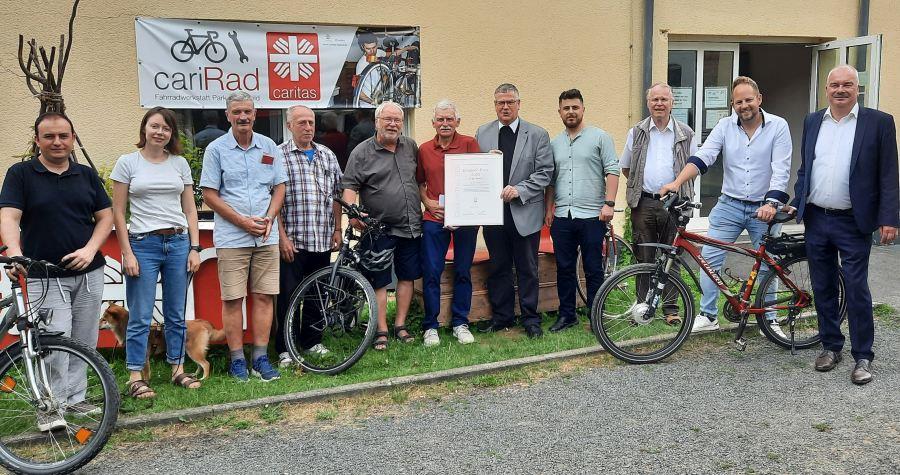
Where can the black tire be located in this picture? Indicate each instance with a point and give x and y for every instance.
(215, 52)
(381, 79)
(182, 51)
(345, 314)
(636, 337)
(22, 446)
(806, 326)
(623, 257)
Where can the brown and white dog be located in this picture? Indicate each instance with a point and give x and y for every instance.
(199, 334)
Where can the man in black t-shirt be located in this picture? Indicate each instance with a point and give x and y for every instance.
(56, 210)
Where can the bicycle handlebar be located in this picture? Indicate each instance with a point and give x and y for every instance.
(358, 212)
(26, 261)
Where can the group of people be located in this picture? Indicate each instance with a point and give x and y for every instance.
(276, 220)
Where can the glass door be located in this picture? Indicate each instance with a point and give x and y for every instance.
(863, 53)
(700, 75)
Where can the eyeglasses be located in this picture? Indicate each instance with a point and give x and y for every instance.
(505, 103)
(390, 120)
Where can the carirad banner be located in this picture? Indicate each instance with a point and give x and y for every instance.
(195, 64)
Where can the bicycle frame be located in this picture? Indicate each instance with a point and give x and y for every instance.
(684, 241)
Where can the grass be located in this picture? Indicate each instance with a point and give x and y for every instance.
(887, 315)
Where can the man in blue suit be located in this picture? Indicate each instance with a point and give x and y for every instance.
(842, 145)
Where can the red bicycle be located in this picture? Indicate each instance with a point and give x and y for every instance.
(628, 315)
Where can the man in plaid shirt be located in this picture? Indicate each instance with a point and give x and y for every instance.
(311, 221)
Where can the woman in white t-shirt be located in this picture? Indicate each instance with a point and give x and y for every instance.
(162, 238)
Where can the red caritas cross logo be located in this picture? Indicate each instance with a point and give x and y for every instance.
(293, 66)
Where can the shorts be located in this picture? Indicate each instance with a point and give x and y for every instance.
(406, 262)
(259, 264)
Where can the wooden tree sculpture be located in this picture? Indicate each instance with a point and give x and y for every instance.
(44, 83)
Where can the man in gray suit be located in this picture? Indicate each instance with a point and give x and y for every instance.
(527, 169)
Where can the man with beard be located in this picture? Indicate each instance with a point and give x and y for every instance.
(756, 149)
(381, 171)
(580, 201)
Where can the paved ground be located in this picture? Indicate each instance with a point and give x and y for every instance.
(702, 411)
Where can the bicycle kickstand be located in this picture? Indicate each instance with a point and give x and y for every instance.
(739, 337)
(791, 323)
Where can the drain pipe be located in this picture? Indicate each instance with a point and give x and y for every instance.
(863, 28)
(648, 50)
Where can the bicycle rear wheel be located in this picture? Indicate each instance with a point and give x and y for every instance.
(806, 323)
(613, 261)
(342, 316)
(621, 318)
(76, 418)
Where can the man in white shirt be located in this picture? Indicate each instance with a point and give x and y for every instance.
(756, 149)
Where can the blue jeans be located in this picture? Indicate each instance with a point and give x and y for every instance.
(435, 242)
(728, 218)
(156, 255)
(568, 235)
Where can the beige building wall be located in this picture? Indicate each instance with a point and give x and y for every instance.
(468, 48)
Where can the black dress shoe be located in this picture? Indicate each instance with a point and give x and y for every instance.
(563, 323)
(492, 327)
(862, 373)
(827, 360)
(534, 331)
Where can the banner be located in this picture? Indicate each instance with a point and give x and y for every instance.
(196, 64)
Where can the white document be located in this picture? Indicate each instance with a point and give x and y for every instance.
(684, 97)
(472, 186)
(715, 97)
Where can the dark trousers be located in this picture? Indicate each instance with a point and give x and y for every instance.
(568, 235)
(435, 242)
(827, 238)
(650, 223)
(290, 276)
(508, 248)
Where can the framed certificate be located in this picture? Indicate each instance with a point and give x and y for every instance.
(472, 186)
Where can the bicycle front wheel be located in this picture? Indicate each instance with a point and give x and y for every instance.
(806, 322)
(622, 320)
(68, 419)
(331, 323)
(376, 83)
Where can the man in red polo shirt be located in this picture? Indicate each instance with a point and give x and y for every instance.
(435, 237)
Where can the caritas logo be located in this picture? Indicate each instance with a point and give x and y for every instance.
(293, 66)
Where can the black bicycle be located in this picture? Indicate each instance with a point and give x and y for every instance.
(185, 50)
(336, 303)
(58, 397)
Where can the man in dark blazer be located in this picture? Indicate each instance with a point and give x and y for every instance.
(527, 169)
(847, 187)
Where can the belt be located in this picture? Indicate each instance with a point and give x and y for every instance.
(746, 202)
(654, 196)
(833, 212)
(168, 231)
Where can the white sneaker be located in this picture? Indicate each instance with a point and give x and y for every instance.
(775, 328)
(285, 360)
(462, 333)
(431, 338)
(50, 420)
(703, 324)
(317, 350)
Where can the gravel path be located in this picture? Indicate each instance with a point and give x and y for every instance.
(708, 409)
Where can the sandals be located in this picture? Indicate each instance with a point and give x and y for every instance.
(406, 338)
(380, 342)
(185, 380)
(673, 319)
(139, 390)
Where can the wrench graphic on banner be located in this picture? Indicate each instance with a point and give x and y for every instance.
(237, 45)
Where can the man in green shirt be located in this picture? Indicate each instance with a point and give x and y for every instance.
(580, 201)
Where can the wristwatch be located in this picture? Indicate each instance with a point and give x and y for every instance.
(610, 203)
(774, 204)
(197, 248)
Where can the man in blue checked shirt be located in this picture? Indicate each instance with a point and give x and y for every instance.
(243, 182)
(756, 149)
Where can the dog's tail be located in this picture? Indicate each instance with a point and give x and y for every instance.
(215, 334)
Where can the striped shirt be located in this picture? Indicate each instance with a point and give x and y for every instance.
(307, 212)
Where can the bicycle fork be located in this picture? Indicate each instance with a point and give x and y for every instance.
(35, 367)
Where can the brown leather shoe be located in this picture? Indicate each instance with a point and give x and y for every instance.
(827, 360)
(862, 373)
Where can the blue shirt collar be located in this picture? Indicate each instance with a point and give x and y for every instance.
(231, 141)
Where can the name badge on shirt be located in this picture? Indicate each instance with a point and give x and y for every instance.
(268, 160)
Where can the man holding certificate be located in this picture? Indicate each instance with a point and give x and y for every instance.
(527, 169)
(580, 202)
(436, 237)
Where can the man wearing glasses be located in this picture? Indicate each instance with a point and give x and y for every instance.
(381, 171)
(527, 169)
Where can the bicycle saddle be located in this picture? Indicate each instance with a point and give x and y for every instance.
(782, 217)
